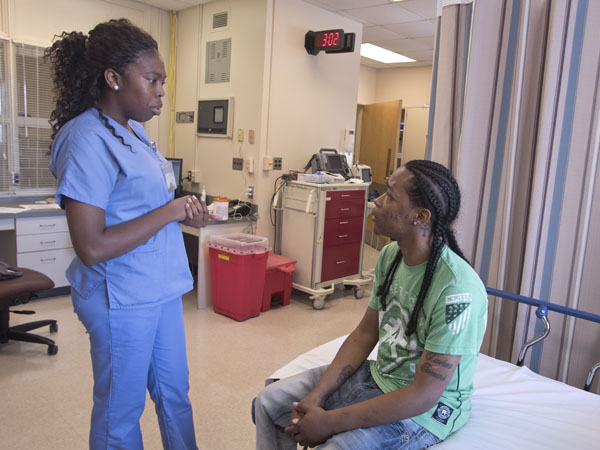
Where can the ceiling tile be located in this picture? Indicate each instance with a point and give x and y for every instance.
(427, 9)
(383, 14)
(385, 24)
(168, 5)
(424, 28)
(428, 41)
(378, 33)
(356, 19)
(173, 5)
(345, 4)
(403, 45)
(420, 55)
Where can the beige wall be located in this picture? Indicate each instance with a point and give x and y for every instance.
(367, 85)
(295, 102)
(210, 156)
(37, 21)
(312, 99)
(412, 85)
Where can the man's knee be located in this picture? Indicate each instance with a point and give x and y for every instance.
(266, 398)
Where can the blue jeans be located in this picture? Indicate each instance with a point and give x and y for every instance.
(274, 405)
(134, 350)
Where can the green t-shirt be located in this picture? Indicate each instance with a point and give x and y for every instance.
(452, 321)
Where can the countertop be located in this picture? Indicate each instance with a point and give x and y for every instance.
(52, 209)
(41, 209)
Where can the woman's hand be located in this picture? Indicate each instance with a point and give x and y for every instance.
(191, 211)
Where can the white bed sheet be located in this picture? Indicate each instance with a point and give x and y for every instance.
(513, 407)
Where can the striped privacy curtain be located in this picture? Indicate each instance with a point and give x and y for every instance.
(515, 115)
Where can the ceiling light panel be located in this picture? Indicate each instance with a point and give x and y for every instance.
(382, 55)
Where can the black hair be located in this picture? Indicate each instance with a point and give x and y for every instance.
(79, 61)
(433, 187)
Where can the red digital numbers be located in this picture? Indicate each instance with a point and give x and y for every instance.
(330, 39)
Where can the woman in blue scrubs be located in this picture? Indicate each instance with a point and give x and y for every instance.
(131, 267)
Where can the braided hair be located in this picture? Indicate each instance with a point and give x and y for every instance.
(79, 61)
(433, 187)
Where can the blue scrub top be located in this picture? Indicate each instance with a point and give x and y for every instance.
(94, 167)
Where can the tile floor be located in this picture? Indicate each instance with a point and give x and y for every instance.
(46, 400)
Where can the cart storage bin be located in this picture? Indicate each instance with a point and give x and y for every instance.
(278, 280)
(238, 265)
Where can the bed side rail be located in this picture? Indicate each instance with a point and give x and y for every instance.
(542, 313)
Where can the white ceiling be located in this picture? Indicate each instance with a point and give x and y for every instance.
(406, 27)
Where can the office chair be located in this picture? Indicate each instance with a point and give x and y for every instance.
(17, 291)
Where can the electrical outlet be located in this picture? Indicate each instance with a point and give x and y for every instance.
(251, 136)
(268, 163)
(195, 176)
(238, 164)
(249, 165)
(240, 135)
(277, 163)
(250, 192)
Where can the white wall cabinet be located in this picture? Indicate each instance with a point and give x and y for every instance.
(44, 244)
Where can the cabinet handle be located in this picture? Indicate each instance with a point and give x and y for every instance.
(50, 225)
(346, 195)
(344, 223)
(47, 259)
(343, 235)
(341, 262)
(344, 209)
(47, 242)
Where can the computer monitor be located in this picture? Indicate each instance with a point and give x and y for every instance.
(177, 169)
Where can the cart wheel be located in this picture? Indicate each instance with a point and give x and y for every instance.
(53, 328)
(319, 302)
(359, 291)
(52, 349)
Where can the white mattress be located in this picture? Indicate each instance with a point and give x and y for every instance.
(513, 407)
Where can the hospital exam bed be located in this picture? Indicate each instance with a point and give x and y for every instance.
(513, 407)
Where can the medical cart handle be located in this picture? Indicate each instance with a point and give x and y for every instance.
(541, 313)
(590, 377)
(309, 201)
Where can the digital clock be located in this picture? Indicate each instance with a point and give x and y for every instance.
(330, 41)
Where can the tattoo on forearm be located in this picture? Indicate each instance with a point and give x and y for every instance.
(429, 370)
(425, 228)
(345, 374)
(440, 362)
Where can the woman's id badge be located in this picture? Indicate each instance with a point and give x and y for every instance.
(169, 175)
(167, 169)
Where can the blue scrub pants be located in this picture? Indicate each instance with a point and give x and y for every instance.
(133, 350)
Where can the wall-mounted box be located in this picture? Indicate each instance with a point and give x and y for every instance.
(184, 117)
(218, 61)
(215, 118)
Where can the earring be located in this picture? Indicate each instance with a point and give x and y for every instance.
(116, 87)
(415, 222)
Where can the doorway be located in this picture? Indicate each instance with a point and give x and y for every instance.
(387, 136)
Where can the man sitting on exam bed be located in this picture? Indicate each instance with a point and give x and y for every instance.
(427, 312)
